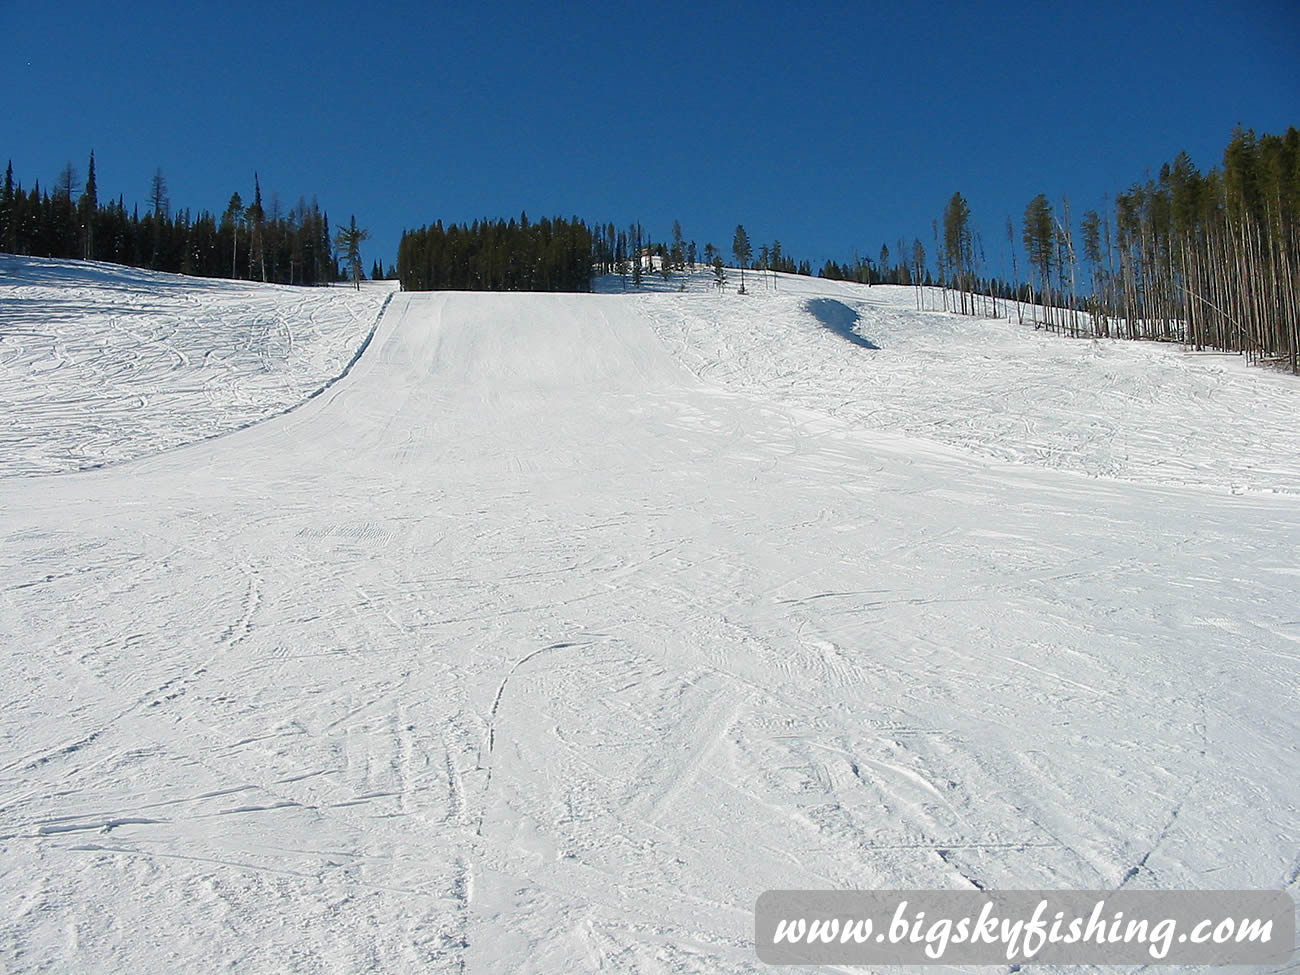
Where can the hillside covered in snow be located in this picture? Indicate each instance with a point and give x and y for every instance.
(102, 363)
(560, 627)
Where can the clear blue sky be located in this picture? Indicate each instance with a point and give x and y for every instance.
(834, 127)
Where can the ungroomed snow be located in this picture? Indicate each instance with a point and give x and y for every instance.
(563, 626)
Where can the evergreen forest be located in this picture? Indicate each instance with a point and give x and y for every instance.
(254, 240)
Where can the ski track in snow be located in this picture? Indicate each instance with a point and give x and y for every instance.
(563, 626)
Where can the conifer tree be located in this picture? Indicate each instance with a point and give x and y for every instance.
(256, 218)
(8, 212)
(1038, 233)
(328, 270)
(635, 235)
(233, 217)
(958, 248)
(678, 252)
(88, 212)
(349, 242)
(158, 200)
(64, 233)
(161, 205)
(741, 248)
(69, 182)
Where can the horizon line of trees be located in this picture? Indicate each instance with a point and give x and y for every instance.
(255, 242)
(556, 254)
(1210, 259)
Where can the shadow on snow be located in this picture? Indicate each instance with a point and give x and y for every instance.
(840, 319)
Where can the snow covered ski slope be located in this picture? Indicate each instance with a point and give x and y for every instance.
(1131, 410)
(565, 625)
(101, 363)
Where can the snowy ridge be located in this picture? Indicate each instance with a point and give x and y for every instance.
(563, 626)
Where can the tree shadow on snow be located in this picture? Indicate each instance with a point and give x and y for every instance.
(840, 319)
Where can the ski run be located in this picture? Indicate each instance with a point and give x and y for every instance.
(533, 633)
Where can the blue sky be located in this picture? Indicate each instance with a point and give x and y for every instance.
(832, 127)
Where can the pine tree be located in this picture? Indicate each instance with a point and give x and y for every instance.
(64, 233)
(349, 242)
(741, 248)
(635, 233)
(160, 205)
(8, 213)
(69, 182)
(88, 212)
(256, 218)
(186, 229)
(958, 247)
(232, 218)
(158, 200)
(1038, 233)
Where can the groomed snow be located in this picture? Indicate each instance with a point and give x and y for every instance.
(563, 626)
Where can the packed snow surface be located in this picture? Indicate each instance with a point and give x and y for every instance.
(562, 626)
